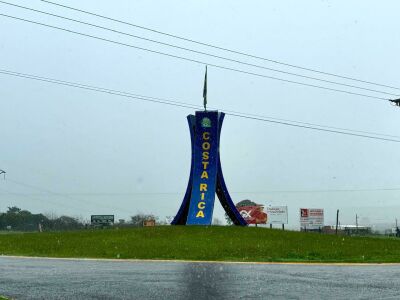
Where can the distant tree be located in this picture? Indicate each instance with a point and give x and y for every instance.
(163, 221)
(228, 219)
(13, 210)
(66, 223)
(216, 221)
(22, 220)
(246, 202)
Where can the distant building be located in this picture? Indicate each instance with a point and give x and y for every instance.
(149, 223)
(348, 229)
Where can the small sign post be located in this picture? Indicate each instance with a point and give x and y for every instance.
(277, 215)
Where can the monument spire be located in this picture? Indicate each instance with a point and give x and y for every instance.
(205, 91)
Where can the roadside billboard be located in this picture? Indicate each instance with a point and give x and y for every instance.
(277, 214)
(311, 218)
(253, 214)
(102, 220)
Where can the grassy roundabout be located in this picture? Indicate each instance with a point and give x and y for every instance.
(203, 243)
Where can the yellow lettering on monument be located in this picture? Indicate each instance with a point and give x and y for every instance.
(203, 187)
(201, 205)
(204, 175)
(206, 135)
(200, 214)
(206, 146)
(205, 164)
(206, 155)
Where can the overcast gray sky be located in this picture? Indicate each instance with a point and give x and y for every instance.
(77, 152)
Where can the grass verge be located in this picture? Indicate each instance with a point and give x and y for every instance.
(203, 243)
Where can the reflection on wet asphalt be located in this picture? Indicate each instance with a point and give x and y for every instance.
(22, 278)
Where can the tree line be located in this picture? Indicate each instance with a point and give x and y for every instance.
(17, 219)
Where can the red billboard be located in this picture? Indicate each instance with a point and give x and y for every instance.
(253, 214)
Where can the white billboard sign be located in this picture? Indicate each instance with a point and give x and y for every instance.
(311, 218)
(277, 215)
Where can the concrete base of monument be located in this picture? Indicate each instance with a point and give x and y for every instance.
(203, 244)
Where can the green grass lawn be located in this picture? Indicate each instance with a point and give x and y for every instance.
(203, 243)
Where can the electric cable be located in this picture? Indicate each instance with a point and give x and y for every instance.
(99, 89)
(194, 60)
(218, 47)
(184, 104)
(200, 52)
(35, 198)
(188, 105)
(129, 194)
(63, 195)
(310, 127)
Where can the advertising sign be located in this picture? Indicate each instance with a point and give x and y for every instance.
(311, 218)
(102, 219)
(205, 168)
(253, 214)
(277, 214)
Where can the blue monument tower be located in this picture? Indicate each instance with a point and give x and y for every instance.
(206, 178)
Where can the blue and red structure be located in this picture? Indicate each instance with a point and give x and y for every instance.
(206, 177)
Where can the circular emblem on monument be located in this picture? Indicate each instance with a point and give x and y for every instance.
(205, 122)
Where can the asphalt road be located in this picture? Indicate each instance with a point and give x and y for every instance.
(23, 278)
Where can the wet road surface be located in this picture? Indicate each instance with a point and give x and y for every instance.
(23, 278)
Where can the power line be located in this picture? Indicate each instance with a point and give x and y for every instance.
(322, 191)
(63, 195)
(99, 89)
(218, 47)
(178, 103)
(194, 60)
(141, 97)
(188, 105)
(310, 127)
(128, 194)
(199, 52)
(311, 124)
(35, 198)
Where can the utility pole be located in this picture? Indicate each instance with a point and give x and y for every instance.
(395, 102)
(356, 223)
(4, 173)
(337, 220)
